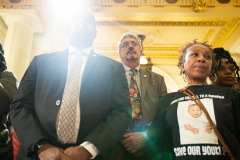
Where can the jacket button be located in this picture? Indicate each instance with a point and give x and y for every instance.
(57, 102)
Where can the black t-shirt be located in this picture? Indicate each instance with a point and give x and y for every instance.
(181, 130)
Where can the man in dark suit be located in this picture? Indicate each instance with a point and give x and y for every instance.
(150, 86)
(41, 109)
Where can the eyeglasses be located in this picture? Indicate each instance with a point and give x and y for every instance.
(126, 44)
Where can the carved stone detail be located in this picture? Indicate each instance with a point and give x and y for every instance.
(199, 5)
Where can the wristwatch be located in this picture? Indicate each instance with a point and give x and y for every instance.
(39, 144)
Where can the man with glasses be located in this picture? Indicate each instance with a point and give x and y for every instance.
(146, 88)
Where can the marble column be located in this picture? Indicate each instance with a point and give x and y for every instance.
(22, 24)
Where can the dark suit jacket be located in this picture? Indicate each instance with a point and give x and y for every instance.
(104, 102)
(8, 88)
(153, 88)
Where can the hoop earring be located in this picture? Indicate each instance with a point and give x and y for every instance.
(213, 78)
(236, 85)
(236, 81)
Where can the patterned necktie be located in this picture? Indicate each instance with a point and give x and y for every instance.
(136, 103)
(67, 113)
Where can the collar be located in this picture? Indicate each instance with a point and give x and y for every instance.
(127, 69)
(73, 50)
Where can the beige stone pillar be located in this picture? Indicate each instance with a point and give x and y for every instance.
(22, 24)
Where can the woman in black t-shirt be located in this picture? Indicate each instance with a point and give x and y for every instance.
(168, 136)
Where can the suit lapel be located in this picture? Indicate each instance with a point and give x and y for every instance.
(63, 65)
(92, 60)
(144, 76)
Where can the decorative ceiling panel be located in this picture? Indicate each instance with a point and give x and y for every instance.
(164, 35)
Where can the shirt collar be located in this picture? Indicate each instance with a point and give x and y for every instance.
(127, 69)
(73, 50)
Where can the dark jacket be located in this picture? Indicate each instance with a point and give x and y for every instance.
(8, 88)
(104, 102)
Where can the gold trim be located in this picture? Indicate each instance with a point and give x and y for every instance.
(225, 32)
(160, 19)
(199, 5)
(230, 32)
(228, 25)
(129, 3)
(151, 55)
(209, 34)
(163, 55)
(146, 49)
(156, 23)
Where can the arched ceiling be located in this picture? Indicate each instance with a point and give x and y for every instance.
(166, 26)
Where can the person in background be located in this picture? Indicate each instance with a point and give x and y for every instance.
(146, 88)
(71, 104)
(227, 71)
(167, 139)
(8, 88)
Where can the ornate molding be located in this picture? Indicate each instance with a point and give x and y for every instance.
(199, 5)
(171, 55)
(149, 18)
(230, 32)
(227, 24)
(153, 52)
(166, 55)
(146, 49)
(210, 32)
(226, 31)
(162, 23)
(159, 49)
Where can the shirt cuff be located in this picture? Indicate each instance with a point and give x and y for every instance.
(90, 148)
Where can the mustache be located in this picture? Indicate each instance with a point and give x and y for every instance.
(131, 50)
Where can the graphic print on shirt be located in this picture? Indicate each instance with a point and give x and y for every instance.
(194, 127)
